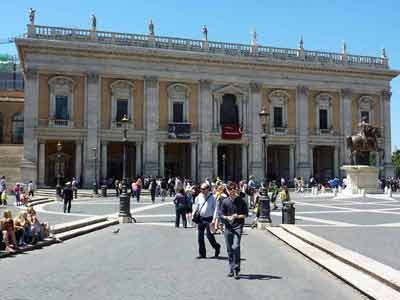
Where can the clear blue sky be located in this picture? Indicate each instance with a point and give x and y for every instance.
(366, 26)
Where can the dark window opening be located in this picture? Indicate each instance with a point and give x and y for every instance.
(61, 112)
(177, 112)
(122, 109)
(278, 117)
(323, 119)
(229, 113)
(365, 114)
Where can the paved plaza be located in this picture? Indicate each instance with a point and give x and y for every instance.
(154, 260)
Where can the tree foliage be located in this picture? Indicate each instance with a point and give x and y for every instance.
(396, 161)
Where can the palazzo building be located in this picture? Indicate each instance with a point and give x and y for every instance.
(193, 106)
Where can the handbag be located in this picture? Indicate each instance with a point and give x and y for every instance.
(196, 215)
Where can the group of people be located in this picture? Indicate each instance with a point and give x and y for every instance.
(22, 193)
(22, 230)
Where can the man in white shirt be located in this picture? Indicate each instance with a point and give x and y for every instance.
(206, 204)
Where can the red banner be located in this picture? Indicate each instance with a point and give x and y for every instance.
(231, 132)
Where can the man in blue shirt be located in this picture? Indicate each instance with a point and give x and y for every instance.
(234, 211)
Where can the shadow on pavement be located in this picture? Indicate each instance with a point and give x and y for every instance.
(258, 277)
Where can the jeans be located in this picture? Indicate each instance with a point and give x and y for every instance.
(67, 205)
(180, 212)
(232, 241)
(204, 225)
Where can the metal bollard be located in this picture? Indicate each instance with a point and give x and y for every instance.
(288, 213)
(104, 191)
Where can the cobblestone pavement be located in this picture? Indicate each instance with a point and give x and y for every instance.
(157, 262)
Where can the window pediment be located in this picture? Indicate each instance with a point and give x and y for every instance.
(366, 102)
(278, 98)
(230, 89)
(61, 85)
(178, 90)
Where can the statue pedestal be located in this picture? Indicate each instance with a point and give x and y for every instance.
(361, 179)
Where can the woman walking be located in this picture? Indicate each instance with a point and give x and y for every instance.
(180, 202)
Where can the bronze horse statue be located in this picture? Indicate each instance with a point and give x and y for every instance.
(361, 144)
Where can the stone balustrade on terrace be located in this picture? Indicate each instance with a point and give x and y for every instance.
(231, 49)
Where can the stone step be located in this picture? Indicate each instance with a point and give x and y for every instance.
(382, 272)
(59, 228)
(86, 229)
(38, 202)
(363, 282)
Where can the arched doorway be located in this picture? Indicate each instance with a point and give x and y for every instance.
(18, 128)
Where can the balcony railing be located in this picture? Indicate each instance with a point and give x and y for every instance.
(12, 85)
(231, 49)
(118, 124)
(56, 123)
(179, 130)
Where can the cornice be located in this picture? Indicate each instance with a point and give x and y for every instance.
(92, 50)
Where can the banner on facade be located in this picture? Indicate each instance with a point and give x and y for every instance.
(179, 130)
(231, 131)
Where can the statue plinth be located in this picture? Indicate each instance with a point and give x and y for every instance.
(360, 179)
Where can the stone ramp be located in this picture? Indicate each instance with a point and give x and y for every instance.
(10, 160)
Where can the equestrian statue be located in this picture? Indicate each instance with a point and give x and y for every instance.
(364, 142)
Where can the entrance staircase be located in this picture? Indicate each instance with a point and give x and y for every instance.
(10, 160)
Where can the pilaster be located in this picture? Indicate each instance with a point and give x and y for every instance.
(205, 126)
(42, 163)
(303, 167)
(151, 124)
(78, 160)
(346, 122)
(93, 118)
(104, 156)
(256, 147)
(388, 165)
(139, 158)
(162, 159)
(193, 162)
(30, 159)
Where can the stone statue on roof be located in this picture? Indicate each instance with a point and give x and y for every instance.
(32, 16)
(93, 22)
(151, 28)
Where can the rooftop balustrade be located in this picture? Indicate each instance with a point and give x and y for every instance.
(230, 49)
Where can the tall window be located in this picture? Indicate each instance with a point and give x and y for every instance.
(121, 101)
(178, 112)
(178, 103)
(122, 109)
(278, 117)
(365, 114)
(323, 114)
(18, 128)
(229, 113)
(323, 119)
(61, 112)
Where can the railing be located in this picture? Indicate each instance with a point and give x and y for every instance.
(118, 124)
(59, 123)
(12, 85)
(232, 49)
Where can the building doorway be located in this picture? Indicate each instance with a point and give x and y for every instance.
(323, 163)
(64, 166)
(278, 162)
(230, 162)
(177, 160)
(115, 159)
(229, 113)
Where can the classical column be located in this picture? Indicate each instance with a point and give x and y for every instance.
(215, 159)
(347, 124)
(302, 146)
(151, 125)
(244, 162)
(291, 162)
(78, 160)
(336, 161)
(42, 163)
(31, 103)
(205, 127)
(256, 147)
(162, 160)
(193, 162)
(311, 162)
(138, 158)
(104, 160)
(388, 165)
(93, 118)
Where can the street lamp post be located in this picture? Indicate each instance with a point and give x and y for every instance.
(265, 209)
(124, 199)
(59, 157)
(95, 189)
(223, 167)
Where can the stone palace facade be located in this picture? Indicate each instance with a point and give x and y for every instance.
(193, 106)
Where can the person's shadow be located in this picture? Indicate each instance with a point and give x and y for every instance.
(259, 277)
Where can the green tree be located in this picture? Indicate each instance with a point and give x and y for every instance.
(396, 161)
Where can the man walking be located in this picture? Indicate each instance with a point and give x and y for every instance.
(67, 195)
(233, 211)
(205, 203)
